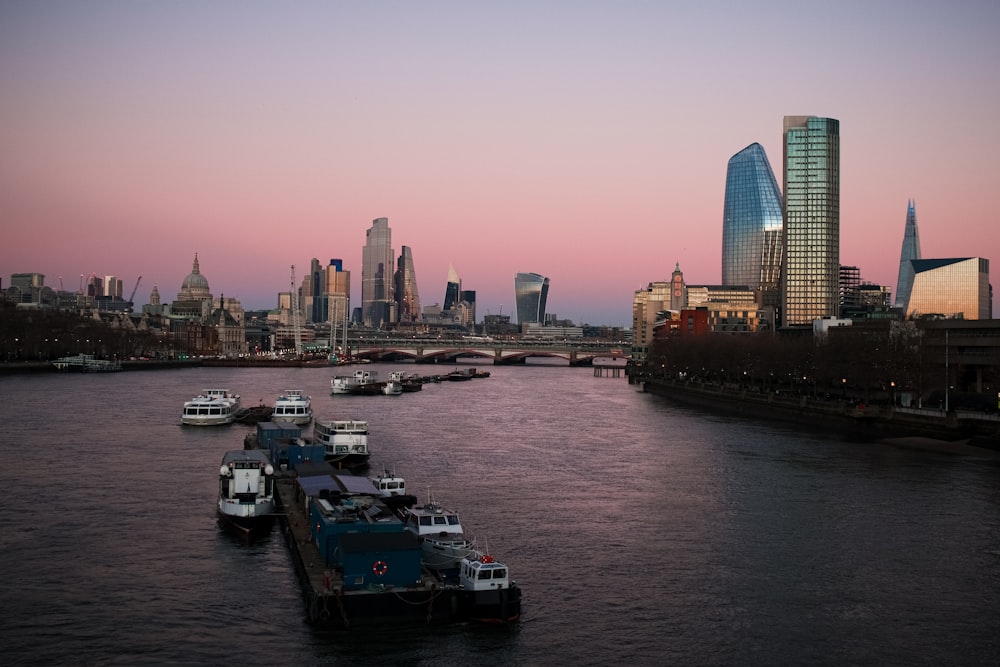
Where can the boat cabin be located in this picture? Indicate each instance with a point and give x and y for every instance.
(483, 574)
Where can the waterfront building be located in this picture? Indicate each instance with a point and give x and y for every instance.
(950, 288)
(678, 289)
(407, 295)
(649, 306)
(751, 222)
(530, 293)
(811, 215)
(452, 289)
(909, 252)
(377, 301)
(230, 338)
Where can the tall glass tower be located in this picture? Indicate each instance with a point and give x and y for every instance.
(751, 222)
(452, 289)
(530, 292)
(810, 287)
(910, 251)
(376, 275)
(407, 297)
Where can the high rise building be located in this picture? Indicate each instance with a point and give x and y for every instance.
(337, 288)
(910, 251)
(452, 289)
(952, 288)
(468, 297)
(530, 292)
(407, 296)
(751, 222)
(811, 238)
(377, 302)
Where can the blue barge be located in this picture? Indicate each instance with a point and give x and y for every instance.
(358, 564)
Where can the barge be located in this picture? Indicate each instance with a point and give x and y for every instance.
(359, 566)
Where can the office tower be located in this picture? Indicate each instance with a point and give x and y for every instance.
(112, 286)
(377, 303)
(468, 297)
(953, 288)
(452, 289)
(751, 222)
(337, 288)
(530, 293)
(407, 296)
(910, 251)
(811, 237)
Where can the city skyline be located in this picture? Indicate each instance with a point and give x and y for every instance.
(553, 136)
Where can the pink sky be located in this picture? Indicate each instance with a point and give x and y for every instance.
(584, 141)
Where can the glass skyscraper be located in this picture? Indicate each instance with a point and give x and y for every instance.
(751, 222)
(910, 251)
(377, 303)
(407, 297)
(452, 289)
(530, 293)
(811, 238)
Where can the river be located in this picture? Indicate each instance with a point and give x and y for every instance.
(641, 532)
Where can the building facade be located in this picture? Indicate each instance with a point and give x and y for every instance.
(531, 291)
(950, 288)
(452, 289)
(405, 288)
(811, 214)
(751, 222)
(377, 300)
(909, 252)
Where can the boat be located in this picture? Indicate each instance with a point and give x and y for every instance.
(359, 566)
(360, 382)
(409, 381)
(213, 407)
(392, 388)
(292, 406)
(440, 532)
(253, 414)
(246, 492)
(345, 441)
(86, 363)
(459, 375)
(392, 489)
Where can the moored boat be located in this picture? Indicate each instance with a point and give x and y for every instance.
(246, 492)
(292, 406)
(253, 414)
(442, 539)
(392, 388)
(357, 383)
(213, 407)
(495, 598)
(345, 441)
(409, 381)
(86, 363)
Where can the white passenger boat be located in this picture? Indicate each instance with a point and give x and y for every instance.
(345, 441)
(86, 363)
(443, 541)
(292, 406)
(246, 492)
(392, 388)
(359, 382)
(212, 407)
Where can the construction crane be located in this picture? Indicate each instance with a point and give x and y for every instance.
(132, 295)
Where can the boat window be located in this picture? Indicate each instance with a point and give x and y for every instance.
(425, 521)
(453, 520)
(392, 485)
(440, 521)
(484, 574)
(499, 574)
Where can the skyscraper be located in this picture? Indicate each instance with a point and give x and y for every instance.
(337, 287)
(530, 293)
(910, 251)
(377, 303)
(407, 296)
(811, 236)
(751, 222)
(452, 289)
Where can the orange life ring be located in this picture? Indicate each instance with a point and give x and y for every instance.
(380, 568)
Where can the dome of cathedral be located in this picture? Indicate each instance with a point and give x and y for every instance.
(195, 286)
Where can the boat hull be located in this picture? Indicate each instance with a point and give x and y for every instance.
(247, 528)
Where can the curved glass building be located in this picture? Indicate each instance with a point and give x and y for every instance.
(751, 222)
(530, 292)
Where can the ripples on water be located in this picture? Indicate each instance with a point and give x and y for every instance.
(641, 532)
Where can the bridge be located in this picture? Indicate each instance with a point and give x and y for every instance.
(499, 352)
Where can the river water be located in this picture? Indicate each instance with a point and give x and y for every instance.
(641, 532)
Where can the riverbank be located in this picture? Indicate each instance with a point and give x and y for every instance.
(953, 431)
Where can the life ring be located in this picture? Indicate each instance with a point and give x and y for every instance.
(380, 568)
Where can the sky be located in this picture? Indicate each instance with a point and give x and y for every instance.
(586, 141)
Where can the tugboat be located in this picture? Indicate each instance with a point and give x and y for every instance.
(246, 493)
(492, 596)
